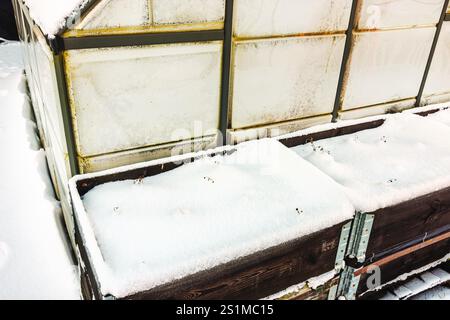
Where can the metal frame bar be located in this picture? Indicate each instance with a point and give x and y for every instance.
(345, 60)
(226, 71)
(447, 17)
(430, 57)
(66, 114)
(59, 44)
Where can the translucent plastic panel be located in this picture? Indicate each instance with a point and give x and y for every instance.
(117, 13)
(283, 79)
(187, 11)
(438, 80)
(285, 17)
(387, 66)
(138, 96)
(378, 14)
(50, 98)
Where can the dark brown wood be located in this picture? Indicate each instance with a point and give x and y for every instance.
(320, 293)
(340, 131)
(258, 275)
(406, 264)
(408, 221)
(85, 185)
(402, 253)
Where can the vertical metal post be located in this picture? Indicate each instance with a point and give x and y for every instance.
(430, 57)
(226, 71)
(345, 60)
(66, 114)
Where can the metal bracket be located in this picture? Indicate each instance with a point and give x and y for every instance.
(342, 247)
(355, 249)
(359, 238)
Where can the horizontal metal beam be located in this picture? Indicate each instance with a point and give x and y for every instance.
(447, 17)
(59, 43)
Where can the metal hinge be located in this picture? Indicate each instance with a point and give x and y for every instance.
(357, 236)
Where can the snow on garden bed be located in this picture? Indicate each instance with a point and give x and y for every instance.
(34, 259)
(441, 116)
(408, 156)
(206, 213)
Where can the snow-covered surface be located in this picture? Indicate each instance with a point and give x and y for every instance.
(437, 293)
(204, 214)
(52, 15)
(408, 156)
(34, 259)
(422, 287)
(441, 116)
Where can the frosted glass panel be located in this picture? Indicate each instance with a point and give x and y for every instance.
(50, 97)
(376, 14)
(117, 13)
(438, 80)
(283, 79)
(285, 17)
(187, 11)
(387, 66)
(132, 97)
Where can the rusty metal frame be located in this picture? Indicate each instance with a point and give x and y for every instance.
(443, 17)
(345, 65)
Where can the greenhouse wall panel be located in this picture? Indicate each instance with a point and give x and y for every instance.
(395, 61)
(130, 97)
(382, 14)
(257, 18)
(285, 78)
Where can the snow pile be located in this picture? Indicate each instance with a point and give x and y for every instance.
(209, 212)
(34, 261)
(441, 116)
(408, 156)
(52, 15)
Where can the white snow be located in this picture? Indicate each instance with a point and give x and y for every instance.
(34, 260)
(52, 15)
(408, 156)
(441, 116)
(437, 293)
(207, 213)
(421, 287)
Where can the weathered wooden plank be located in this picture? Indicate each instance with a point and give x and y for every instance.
(258, 275)
(406, 264)
(408, 221)
(326, 134)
